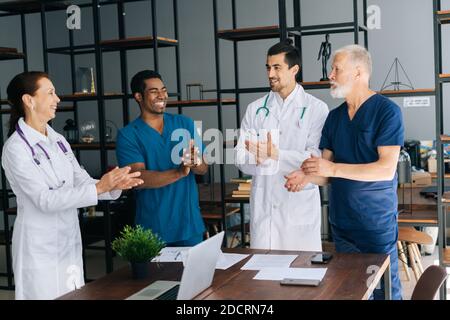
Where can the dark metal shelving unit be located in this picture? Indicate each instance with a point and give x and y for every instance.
(441, 18)
(11, 9)
(281, 31)
(119, 45)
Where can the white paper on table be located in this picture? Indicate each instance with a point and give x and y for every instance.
(278, 274)
(262, 261)
(227, 260)
(172, 254)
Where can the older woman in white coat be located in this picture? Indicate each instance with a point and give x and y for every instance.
(49, 185)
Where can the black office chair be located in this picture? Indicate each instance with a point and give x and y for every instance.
(429, 283)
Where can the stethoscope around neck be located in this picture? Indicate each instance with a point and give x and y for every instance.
(33, 153)
(36, 160)
(267, 111)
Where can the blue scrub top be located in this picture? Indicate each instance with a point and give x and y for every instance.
(172, 211)
(357, 205)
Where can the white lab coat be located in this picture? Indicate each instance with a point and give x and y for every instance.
(280, 219)
(46, 243)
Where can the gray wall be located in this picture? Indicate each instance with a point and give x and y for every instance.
(406, 32)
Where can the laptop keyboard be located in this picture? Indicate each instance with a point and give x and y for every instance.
(170, 294)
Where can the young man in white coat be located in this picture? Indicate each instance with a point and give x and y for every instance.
(279, 131)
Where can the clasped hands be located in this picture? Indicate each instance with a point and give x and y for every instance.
(313, 166)
(191, 159)
(118, 179)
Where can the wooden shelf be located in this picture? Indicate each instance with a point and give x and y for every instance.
(446, 257)
(445, 138)
(137, 43)
(434, 175)
(32, 6)
(256, 33)
(270, 32)
(11, 55)
(92, 146)
(116, 44)
(307, 85)
(407, 93)
(445, 77)
(199, 103)
(89, 96)
(444, 16)
(4, 102)
(59, 109)
(209, 212)
(11, 211)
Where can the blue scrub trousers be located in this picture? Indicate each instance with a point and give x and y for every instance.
(187, 243)
(372, 241)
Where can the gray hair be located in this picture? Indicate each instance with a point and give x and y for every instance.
(357, 55)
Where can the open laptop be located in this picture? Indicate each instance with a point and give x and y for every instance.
(197, 275)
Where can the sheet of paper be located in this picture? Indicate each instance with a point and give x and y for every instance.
(278, 274)
(172, 254)
(262, 261)
(227, 260)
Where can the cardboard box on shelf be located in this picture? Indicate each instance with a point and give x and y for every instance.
(432, 165)
(420, 180)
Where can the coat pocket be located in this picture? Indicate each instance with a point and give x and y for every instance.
(304, 207)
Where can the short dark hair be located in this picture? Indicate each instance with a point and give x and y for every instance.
(291, 54)
(138, 80)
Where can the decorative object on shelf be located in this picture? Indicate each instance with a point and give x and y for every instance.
(404, 176)
(138, 247)
(87, 131)
(109, 135)
(396, 84)
(71, 131)
(188, 90)
(92, 81)
(83, 80)
(325, 53)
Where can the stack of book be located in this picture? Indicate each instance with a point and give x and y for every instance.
(244, 187)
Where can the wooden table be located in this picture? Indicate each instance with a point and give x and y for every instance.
(349, 277)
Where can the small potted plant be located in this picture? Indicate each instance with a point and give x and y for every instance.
(139, 247)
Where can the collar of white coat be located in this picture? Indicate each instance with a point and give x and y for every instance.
(33, 136)
(298, 93)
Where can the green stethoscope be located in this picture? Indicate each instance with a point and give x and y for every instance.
(266, 110)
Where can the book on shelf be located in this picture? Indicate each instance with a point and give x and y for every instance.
(247, 192)
(244, 179)
(240, 196)
(245, 186)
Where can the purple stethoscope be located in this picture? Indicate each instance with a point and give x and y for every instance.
(22, 135)
(36, 160)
